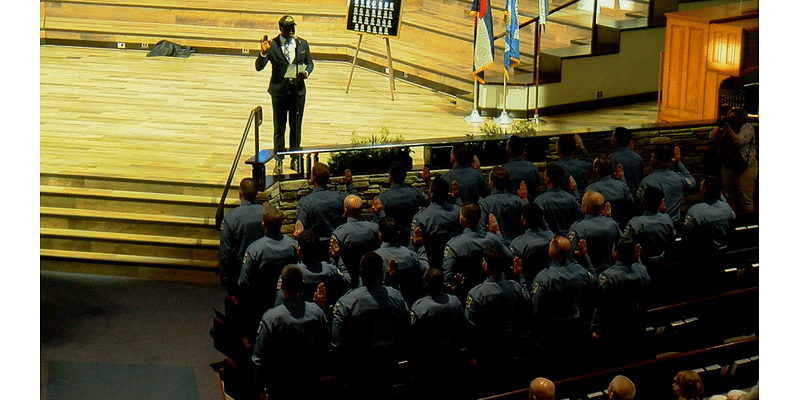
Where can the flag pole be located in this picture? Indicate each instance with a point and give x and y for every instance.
(475, 116)
(537, 50)
(504, 119)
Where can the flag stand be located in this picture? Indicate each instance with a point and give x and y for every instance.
(504, 119)
(475, 117)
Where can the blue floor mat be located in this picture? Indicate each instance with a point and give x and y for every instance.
(103, 381)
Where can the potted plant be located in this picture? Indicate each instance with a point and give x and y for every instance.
(370, 160)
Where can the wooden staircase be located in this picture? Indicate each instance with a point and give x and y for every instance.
(129, 227)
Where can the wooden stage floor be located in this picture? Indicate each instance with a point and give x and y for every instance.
(118, 113)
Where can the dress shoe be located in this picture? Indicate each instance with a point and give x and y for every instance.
(278, 168)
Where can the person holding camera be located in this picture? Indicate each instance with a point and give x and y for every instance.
(738, 155)
(286, 51)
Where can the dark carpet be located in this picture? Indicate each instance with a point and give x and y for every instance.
(124, 338)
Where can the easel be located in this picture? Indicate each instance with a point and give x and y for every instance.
(388, 59)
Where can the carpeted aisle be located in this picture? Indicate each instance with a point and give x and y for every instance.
(122, 338)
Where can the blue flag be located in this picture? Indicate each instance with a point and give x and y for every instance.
(511, 53)
(484, 38)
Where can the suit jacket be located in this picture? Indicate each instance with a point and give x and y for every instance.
(278, 85)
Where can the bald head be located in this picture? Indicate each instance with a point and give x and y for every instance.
(559, 248)
(592, 202)
(352, 206)
(541, 389)
(621, 388)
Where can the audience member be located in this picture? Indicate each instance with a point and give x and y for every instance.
(541, 389)
(471, 183)
(671, 183)
(560, 207)
(737, 394)
(463, 254)
(519, 168)
(292, 339)
(438, 223)
(315, 272)
(653, 230)
(505, 206)
(497, 310)
(400, 202)
(617, 314)
(406, 273)
(263, 262)
(240, 228)
(705, 231)
(321, 210)
(370, 326)
(614, 191)
(621, 388)
(354, 238)
(631, 162)
(687, 385)
(557, 295)
(599, 232)
(532, 246)
(577, 169)
(739, 172)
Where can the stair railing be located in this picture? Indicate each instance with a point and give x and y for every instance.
(536, 18)
(254, 120)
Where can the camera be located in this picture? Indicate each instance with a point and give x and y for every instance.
(722, 122)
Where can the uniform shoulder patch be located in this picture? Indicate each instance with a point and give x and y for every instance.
(246, 257)
(413, 318)
(571, 236)
(602, 281)
(446, 251)
(469, 301)
(535, 287)
(260, 326)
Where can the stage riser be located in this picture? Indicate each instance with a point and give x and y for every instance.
(133, 205)
(110, 246)
(79, 266)
(61, 220)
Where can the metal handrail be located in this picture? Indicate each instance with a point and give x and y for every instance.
(255, 116)
(536, 18)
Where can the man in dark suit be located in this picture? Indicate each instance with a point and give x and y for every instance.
(286, 51)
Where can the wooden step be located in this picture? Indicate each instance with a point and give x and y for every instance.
(157, 268)
(134, 185)
(121, 222)
(129, 244)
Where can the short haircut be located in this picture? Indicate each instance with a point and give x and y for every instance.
(556, 173)
(434, 280)
(248, 188)
(652, 198)
(462, 153)
(713, 186)
(472, 213)
(500, 177)
(272, 219)
(389, 230)
(625, 248)
(351, 203)
(308, 241)
(516, 145)
(603, 165)
(623, 388)
(664, 153)
(439, 190)
(533, 214)
(593, 201)
(397, 171)
(321, 173)
(371, 266)
(567, 144)
(495, 259)
(292, 279)
(623, 136)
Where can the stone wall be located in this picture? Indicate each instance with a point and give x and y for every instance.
(697, 154)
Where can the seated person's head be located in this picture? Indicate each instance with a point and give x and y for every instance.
(470, 215)
(292, 279)
(555, 174)
(533, 216)
(624, 250)
(494, 261)
(434, 280)
(541, 389)
(388, 230)
(248, 189)
(461, 154)
(321, 173)
(371, 267)
(603, 166)
(688, 386)
(271, 219)
(652, 198)
(500, 178)
(439, 190)
(397, 171)
(621, 388)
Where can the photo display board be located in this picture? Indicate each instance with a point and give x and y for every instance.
(377, 17)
